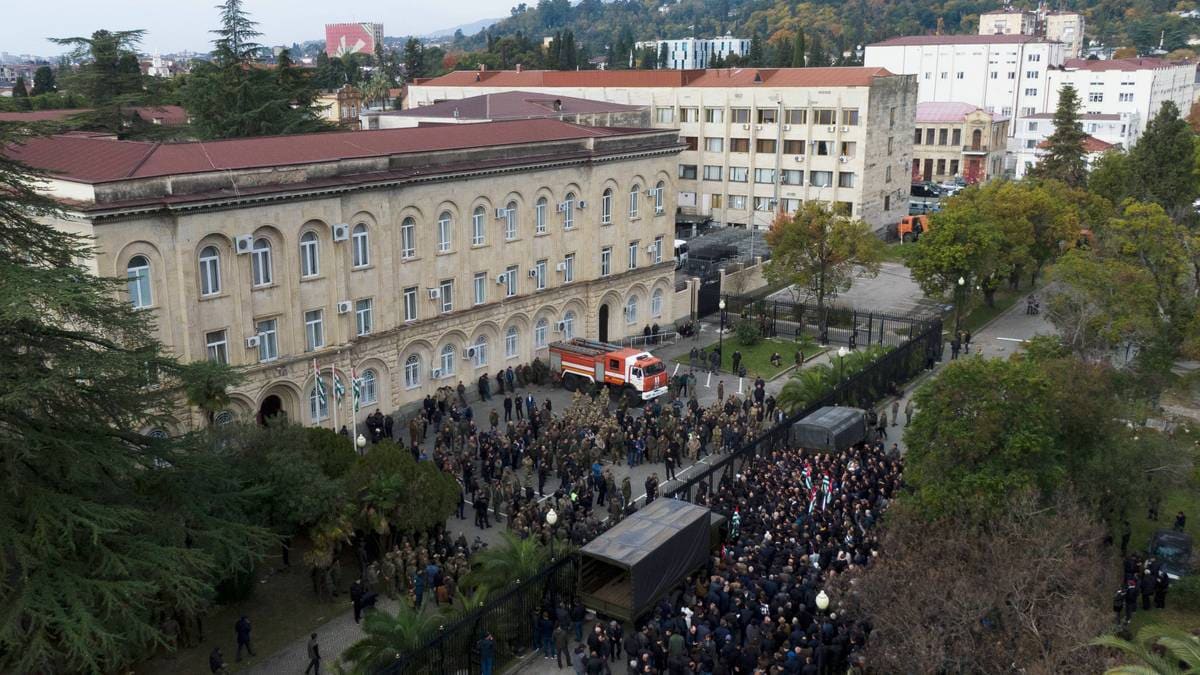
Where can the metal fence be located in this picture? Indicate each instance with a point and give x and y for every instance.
(862, 390)
(510, 618)
(843, 325)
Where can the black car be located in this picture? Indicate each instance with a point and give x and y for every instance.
(1174, 550)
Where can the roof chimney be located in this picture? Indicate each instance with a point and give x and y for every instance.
(518, 67)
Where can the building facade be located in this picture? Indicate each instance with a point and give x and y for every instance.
(1104, 132)
(1136, 88)
(697, 53)
(512, 105)
(1008, 21)
(958, 141)
(1005, 74)
(410, 258)
(352, 38)
(1067, 28)
(758, 141)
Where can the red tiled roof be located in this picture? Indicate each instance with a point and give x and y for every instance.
(168, 115)
(1139, 63)
(56, 115)
(511, 105)
(915, 40)
(91, 160)
(1090, 144)
(934, 111)
(717, 77)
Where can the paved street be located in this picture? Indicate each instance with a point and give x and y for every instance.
(892, 291)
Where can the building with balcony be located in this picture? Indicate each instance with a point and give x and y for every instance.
(410, 258)
(1008, 21)
(758, 140)
(958, 141)
(1105, 132)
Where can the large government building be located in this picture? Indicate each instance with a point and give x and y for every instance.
(412, 258)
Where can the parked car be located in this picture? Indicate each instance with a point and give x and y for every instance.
(1173, 550)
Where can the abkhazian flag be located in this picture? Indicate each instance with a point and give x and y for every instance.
(825, 485)
(320, 385)
(339, 389)
(357, 389)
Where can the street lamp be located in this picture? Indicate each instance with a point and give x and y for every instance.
(962, 283)
(361, 442)
(842, 352)
(822, 601)
(721, 334)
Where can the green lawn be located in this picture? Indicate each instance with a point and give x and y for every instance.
(980, 314)
(757, 358)
(895, 252)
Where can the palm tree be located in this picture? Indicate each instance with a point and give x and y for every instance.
(465, 602)
(389, 635)
(207, 386)
(1161, 649)
(807, 344)
(805, 386)
(502, 566)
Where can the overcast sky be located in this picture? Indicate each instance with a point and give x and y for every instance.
(176, 25)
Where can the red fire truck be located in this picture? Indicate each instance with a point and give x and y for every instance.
(639, 375)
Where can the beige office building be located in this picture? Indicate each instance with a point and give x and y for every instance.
(958, 142)
(759, 140)
(412, 258)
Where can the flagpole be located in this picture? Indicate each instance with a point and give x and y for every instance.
(353, 415)
(333, 371)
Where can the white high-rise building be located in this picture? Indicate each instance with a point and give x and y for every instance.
(1135, 88)
(694, 53)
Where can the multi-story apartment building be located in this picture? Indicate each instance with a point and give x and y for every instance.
(758, 140)
(1067, 28)
(693, 53)
(512, 105)
(1005, 74)
(411, 258)
(1134, 87)
(1104, 131)
(958, 141)
(1008, 21)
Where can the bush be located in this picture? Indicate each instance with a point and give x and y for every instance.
(1186, 593)
(747, 333)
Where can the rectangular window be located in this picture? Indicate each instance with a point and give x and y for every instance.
(362, 317)
(692, 142)
(1125, 97)
(689, 114)
(314, 329)
(956, 137)
(890, 146)
(791, 205)
(444, 233)
(716, 201)
(510, 223)
(793, 177)
(739, 174)
(737, 202)
(850, 117)
(712, 172)
(408, 239)
(825, 116)
(447, 292)
(410, 303)
(210, 270)
(767, 115)
(606, 261)
(887, 173)
(686, 172)
(218, 346)
(765, 145)
(539, 219)
(943, 136)
(1031, 92)
(1096, 97)
(480, 285)
(1031, 74)
(658, 249)
(569, 273)
(917, 136)
(929, 136)
(763, 204)
(820, 178)
(510, 281)
(664, 115)
(941, 167)
(633, 249)
(714, 115)
(793, 147)
(954, 167)
(268, 340)
(845, 179)
(539, 275)
(714, 144)
(1030, 143)
(848, 148)
(739, 145)
(959, 75)
(478, 227)
(740, 115)
(1034, 58)
(764, 176)
(796, 116)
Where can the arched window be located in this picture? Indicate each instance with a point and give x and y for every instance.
(479, 227)
(138, 274)
(568, 325)
(633, 200)
(224, 418)
(370, 386)
(539, 333)
(540, 216)
(569, 211)
(210, 271)
(631, 309)
(408, 238)
(445, 232)
(310, 255)
(660, 191)
(448, 353)
(158, 434)
(606, 207)
(510, 221)
(318, 405)
(481, 351)
(260, 262)
(412, 371)
(361, 247)
(656, 299)
(511, 342)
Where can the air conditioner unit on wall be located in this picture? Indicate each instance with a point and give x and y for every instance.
(581, 205)
(341, 232)
(501, 214)
(560, 326)
(244, 243)
(561, 267)
(436, 373)
(435, 293)
(344, 307)
(252, 342)
(501, 278)
(468, 353)
(533, 274)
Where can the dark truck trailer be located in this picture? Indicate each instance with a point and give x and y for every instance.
(626, 570)
(830, 429)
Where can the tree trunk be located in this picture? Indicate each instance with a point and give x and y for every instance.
(989, 297)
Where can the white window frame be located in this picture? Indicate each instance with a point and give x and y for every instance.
(540, 328)
(210, 271)
(260, 263)
(660, 190)
(447, 356)
(479, 283)
(631, 309)
(540, 268)
(410, 303)
(658, 249)
(656, 302)
(479, 226)
(633, 201)
(412, 371)
(360, 247)
(216, 344)
(363, 316)
(310, 255)
(539, 215)
(512, 338)
(318, 409)
(268, 339)
(569, 274)
(568, 324)
(314, 330)
(633, 254)
(510, 281)
(408, 238)
(445, 232)
(605, 261)
(446, 288)
(141, 295)
(510, 221)
(481, 351)
(606, 207)
(569, 211)
(369, 386)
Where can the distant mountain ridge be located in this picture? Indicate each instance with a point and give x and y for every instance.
(467, 28)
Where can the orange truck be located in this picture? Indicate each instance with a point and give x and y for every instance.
(910, 227)
(639, 375)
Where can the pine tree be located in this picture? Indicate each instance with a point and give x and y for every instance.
(414, 62)
(1163, 162)
(755, 56)
(43, 81)
(105, 530)
(816, 53)
(19, 90)
(570, 57)
(110, 78)
(663, 56)
(1064, 158)
(783, 53)
(798, 50)
(236, 34)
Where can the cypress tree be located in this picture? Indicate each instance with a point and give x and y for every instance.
(19, 90)
(798, 50)
(755, 56)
